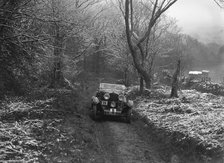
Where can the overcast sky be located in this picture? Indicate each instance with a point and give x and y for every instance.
(202, 19)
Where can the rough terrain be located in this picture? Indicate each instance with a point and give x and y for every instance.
(52, 129)
(126, 143)
(55, 136)
(163, 130)
(192, 124)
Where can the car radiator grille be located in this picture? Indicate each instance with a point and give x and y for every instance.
(113, 97)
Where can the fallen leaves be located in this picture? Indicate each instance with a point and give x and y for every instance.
(17, 142)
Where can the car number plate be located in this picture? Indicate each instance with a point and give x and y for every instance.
(104, 102)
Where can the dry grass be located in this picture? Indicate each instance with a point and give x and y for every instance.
(45, 128)
(194, 121)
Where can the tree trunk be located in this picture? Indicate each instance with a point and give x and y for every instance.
(97, 60)
(141, 85)
(84, 63)
(133, 47)
(126, 77)
(57, 76)
(174, 90)
(142, 71)
(148, 82)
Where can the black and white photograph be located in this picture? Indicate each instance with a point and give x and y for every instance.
(111, 81)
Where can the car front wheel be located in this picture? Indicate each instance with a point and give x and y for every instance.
(128, 116)
(94, 112)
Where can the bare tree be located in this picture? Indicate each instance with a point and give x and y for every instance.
(220, 3)
(136, 43)
(118, 53)
(175, 83)
(19, 42)
(64, 19)
(177, 46)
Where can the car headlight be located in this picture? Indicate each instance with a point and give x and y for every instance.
(106, 96)
(122, 98)
(95, 100)
(113, 104)
(130, 103)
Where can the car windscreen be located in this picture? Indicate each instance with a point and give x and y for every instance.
(112, 86)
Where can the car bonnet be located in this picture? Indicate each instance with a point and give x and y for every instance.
(113, 91)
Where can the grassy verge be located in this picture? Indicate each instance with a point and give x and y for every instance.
(192, 125)
(47, 126)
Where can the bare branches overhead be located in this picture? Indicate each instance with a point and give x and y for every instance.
(159, 8)
(220, 3)
(154, 12)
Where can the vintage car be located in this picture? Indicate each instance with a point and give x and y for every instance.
(111, 100)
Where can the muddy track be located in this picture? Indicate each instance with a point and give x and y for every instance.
(120, 142)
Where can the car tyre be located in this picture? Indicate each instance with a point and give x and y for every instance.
(94, 112)
(128, 116)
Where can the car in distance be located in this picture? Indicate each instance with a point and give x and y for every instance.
(111, 100)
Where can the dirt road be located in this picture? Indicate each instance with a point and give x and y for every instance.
(126, 143)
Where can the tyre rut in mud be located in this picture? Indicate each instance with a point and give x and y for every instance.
(121, 143)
